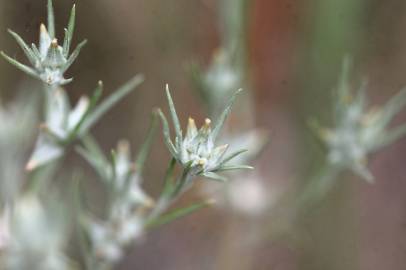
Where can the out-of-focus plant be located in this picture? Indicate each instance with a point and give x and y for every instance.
(37, 236)
(227, 71)
(12, 158)
(357, 133)
(33, 234)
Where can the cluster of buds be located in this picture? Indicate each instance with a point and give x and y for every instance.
(359, 132)
(128, 202)
(197, 151)
(49, 61)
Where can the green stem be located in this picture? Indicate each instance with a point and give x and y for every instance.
(318, 187)
(170, 192)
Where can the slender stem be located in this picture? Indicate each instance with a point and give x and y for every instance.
(170, 192)
(318, 187)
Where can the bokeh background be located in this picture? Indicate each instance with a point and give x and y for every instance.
(294, 53)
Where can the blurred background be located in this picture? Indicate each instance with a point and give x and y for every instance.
(293, 50)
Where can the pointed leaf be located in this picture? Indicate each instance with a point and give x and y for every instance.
(232, 156)
(35, 51)
(174, 115)
(168, 180)
(73, 56)
(92, 146)
(110, 101)
(343, 84)
(65, 81)
(92, 104)
(167, 135)
(69, 32)
(45, 151)
(215, 176)
(362, 171)
(176, 214)
(27, 51)
(234, 167)
(44, 41)
(393, 107)
(391, 136)
(146, 146)
(223, 116)
(29, 71)
(51, 19)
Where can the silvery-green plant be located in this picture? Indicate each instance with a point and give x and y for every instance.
(12, 158)
(49, 61)
(37, 236)
(64, 124)
(127, 205)
(196, 151)
(358, 131)
(219, 81)
(32, 233)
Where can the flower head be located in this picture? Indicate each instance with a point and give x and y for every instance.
(196, 151)
(49, 61)
(358, 131)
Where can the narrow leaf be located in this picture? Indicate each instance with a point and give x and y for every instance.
(29, 71)
(93, 101)
(392, 136)
(176, 214)
(45, 151)
(232, 156)
(92, 146)
(73, 56)
(224, 115)
(167, 135)
(362, 171)
(35, 51)
(27, 51)
(168, 180)
(174, 115)
(234, 167)
(96, 163)
(51, 20)
(110, 101)
(343, 84)
(215, 176)
(393, 107)
(146, 146)
(69, 32)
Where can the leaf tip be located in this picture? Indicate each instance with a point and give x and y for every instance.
(31, 165)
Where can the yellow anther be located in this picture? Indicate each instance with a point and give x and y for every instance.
(54, 43)
(202, 162)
